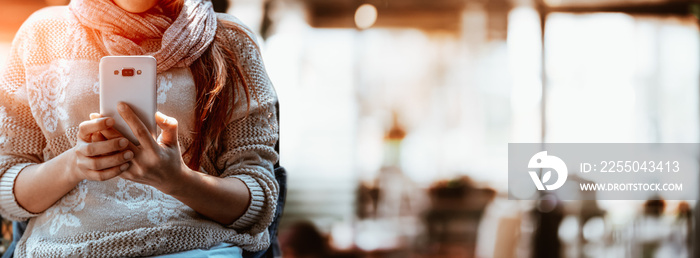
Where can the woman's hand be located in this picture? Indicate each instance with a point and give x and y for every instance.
(157, 163)
(93, 157)
(97, 158)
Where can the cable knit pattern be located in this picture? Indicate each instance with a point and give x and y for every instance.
(49, 87)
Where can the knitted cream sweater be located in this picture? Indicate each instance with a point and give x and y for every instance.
(50, 85)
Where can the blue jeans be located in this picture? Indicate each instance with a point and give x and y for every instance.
(222, 250)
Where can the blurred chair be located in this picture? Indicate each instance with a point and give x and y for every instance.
(303, 239)
(454, 216)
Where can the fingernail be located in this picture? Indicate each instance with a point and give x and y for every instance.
(121, 106)
(123, 142)
(128, 155)
(124, 167)
(109, 122)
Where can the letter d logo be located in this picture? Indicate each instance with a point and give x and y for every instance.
(541, 160)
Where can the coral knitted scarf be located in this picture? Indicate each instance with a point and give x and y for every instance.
(182, 41)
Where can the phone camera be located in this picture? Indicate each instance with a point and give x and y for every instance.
(128, 72)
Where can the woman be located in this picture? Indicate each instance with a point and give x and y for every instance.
(205, 186)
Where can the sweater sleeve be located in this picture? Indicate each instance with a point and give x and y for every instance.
(21, 139)
(249, 139)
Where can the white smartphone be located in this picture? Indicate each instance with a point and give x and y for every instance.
(132, 80)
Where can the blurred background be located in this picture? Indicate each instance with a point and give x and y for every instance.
(396, 117)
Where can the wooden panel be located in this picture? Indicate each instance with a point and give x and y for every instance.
(429, 15)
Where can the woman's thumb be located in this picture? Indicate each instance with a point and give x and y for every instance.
(169, 127)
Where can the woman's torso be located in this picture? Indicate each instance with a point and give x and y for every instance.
(62, 89)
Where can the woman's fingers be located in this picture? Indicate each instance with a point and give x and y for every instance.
(102, 152)
(97, 137)
(87, 128)
(102, 147)
(137, 127)
(105, 162)
(106, 174)
(169, 126)
(110, 133)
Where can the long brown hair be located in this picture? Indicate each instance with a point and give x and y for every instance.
(217, 74)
